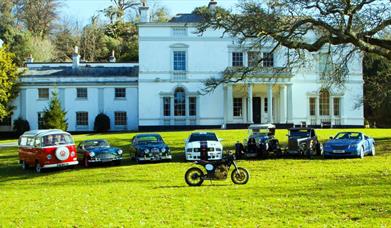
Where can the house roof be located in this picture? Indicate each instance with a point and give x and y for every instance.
(82, 71)
(186, 18)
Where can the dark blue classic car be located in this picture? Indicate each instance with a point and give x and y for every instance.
(349, 144)
(98, 151)
(150, 147)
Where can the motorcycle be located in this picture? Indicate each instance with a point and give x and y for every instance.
(216, 170)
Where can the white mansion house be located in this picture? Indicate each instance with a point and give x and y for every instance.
(163, 89)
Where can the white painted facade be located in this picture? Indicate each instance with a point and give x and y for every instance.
(208, 56)
(173, 63)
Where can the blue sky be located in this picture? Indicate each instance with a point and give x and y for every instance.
(82, 10)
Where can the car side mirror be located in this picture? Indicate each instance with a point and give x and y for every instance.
(287, 135)
(331, 137)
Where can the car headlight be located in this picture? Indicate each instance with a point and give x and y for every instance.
(49, 156)
(92, 154)
(120, 152)
(197, 149)
(188, 150)
(73, 154)
(163, 150)
(218, 149)
(146, 151)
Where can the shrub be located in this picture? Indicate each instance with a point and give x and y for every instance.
(21, 125)
(54, 115)
(102, 123)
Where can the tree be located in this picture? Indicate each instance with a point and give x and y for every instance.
(21, 125)
(102, 123)
(65, 38)
(92, 43)
(349, 26)
(54, 116)
(9, 76)
(377, 90)
(39, 16)
(41, 49)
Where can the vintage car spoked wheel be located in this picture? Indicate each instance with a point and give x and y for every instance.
(193, 177)
(38, 167)
(25, 166)
(240, 176)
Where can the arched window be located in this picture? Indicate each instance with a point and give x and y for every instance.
(179, 102)
(324, 103)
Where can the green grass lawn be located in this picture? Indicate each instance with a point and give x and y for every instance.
(281, 192)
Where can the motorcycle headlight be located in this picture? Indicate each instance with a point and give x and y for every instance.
(92, 154)
(163, 150)
(146, 151)
(120, 152)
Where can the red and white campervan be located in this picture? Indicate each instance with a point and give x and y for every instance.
(43, 149)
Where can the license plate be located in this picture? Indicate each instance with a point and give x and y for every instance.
(338, 151)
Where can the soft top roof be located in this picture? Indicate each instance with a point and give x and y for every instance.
(262, 126)
(35, 133)
(300, 128)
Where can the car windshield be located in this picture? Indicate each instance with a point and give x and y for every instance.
(202, 137)
(299, 133)
(260, 131)
(57, 139)
(149, 139)
(95, 144)
(348, 135)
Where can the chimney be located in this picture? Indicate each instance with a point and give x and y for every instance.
(112, 57)
(75, 58)
(144, 12)
(30, 59)
(212, 6)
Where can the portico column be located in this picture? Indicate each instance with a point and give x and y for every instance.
(283, 104)
(250, 103)
(229, 104)
(331, 105)
(172, 122)
(225, 106)
(270, 103)
(289, 104)
(317, 112)
(187, 110)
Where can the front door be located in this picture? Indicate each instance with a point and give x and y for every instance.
(257, 110)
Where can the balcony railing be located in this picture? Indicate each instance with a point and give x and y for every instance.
(260, 72)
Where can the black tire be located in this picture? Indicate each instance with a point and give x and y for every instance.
(85, 162)
(38, 167)
(117, 162)
(193, 176)
(25, 166)
(240, 176)
(279, 153)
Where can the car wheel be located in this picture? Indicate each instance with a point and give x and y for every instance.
(361, 153)
(117, 162)
(25, 166)
(373, 151)
(85, 162)
(38, 167)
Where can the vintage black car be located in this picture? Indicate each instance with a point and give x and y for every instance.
(150, 147)
(98, 151)
(303, 141)
(260, 142)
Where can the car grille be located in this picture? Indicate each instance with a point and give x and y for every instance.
(343, 147)
(105, 156)
(292, 144)
(155, 150)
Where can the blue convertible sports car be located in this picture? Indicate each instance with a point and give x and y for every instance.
(349, 144)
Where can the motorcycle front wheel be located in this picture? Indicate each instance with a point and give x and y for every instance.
(193, 176)
(240, 176)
